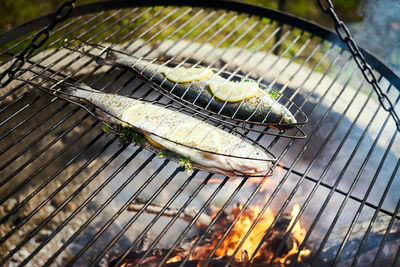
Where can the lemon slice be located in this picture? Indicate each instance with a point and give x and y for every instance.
(233, 91)
(198, 135)
(141, 112)
(154, 143)
(184, 75)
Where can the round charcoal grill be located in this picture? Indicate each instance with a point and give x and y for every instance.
(71, 195)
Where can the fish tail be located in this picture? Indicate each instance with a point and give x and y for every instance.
(137, 64)
(75, 93)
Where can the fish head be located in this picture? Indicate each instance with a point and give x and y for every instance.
(257, 163)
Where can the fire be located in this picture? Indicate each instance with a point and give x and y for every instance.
(240, 229)
(299, 234)
(238, 232)
(256, 247)
(174, 259)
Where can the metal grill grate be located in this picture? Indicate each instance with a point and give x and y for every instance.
(65, 185)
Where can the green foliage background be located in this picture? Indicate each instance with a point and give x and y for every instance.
(14, 12)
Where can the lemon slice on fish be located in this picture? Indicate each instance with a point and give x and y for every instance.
(154, 143)
(233, 91)
(199, 135)
(139, 113)
(185, 75)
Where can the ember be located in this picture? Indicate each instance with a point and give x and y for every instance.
(228, 245)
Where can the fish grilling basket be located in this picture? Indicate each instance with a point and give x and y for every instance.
(185, 133)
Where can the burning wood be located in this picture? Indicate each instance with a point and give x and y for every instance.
(154, 207)
(229, 244)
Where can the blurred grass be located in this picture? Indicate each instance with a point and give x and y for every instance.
(14, 12)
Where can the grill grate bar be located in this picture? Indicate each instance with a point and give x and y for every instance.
(42, 59)
(396, 258)
(123, 208)
(362, 244)
(186, 204)
(27, 238)
(110, 178)
(153, 221)
(359, 175)
(224, 206)
(250, 199)
(318, 182)
(343, 193)
(286, 203)
(34, 100)
(334, 188)
(375, 262)
(322, 176)
(30, 196)
(340, 250)
(40, 152)
(277, 189)
(52, 100)
(80, 189)
(353, 184)
(205, 205)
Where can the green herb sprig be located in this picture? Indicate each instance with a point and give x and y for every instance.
(183, 161)
(129, 135)
(125, 135)
(274, 95)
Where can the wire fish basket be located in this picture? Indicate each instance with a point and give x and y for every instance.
(259, 108)
(180, 134)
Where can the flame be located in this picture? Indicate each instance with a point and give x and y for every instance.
(238, 232)
(299, 234)
(265, 251)
(174, 259)
(242, 226)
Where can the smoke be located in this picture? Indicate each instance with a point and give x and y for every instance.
(379, 32)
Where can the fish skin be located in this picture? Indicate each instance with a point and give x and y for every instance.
(260, 108)
(161, 120)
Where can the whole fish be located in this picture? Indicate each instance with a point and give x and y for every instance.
(255, 106)
(206, 146)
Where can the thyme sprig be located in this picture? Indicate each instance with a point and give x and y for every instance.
(129, 135)
(125, 135)
(274, 95)
(183, 161)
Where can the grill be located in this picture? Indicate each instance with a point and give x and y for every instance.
(70, 195)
